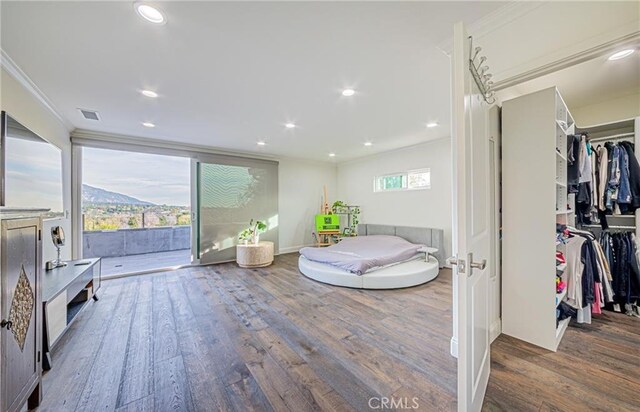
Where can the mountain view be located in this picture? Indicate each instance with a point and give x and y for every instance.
(106, 210)
(96, 195)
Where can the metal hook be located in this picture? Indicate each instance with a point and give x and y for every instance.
(475, 54)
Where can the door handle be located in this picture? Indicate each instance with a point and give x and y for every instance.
(6, 324)
(455, 261)
(476, 265)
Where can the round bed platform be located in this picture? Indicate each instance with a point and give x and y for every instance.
(402, 275)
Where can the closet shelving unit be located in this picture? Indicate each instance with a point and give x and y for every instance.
(535, 198)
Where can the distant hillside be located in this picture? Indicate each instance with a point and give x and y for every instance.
(92, 194)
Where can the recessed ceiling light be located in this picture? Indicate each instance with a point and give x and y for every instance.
(261, 143)
(149, 93)
(368, 144)
(621, 54)
(290, 125)
(148, 124)
(348, 92)
(332, 155)
(150, 13)
(432, 124)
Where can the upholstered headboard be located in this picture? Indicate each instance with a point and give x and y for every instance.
(430, 237)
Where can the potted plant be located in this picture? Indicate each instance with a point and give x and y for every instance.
(339, 207)
(252, 233)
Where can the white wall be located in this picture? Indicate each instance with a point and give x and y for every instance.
(300, 187)
(23, 107)
(426, 208)
(621, 108)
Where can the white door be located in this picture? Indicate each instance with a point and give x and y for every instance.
(472, 196)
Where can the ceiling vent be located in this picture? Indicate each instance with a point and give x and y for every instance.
(90, 114)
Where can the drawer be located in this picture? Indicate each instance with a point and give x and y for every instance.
(56, 316)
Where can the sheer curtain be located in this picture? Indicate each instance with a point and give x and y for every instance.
(231, 192)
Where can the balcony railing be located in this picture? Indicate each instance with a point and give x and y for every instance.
(125, 242)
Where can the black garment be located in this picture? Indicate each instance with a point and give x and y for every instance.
(573, 170)
(634, 175)
(633, 291)
(583, 203)
(565, 311)
(620, 252)
(609, 147)
(590, 267)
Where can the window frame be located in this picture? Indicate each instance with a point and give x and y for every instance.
(419, 171)
(377, 187)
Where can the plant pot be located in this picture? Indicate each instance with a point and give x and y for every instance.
(256, 239)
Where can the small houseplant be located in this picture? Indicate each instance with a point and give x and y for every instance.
(252, 233)
(339, 207)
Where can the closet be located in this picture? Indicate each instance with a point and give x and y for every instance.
(612, 213)
(567, 247)
(613, 134)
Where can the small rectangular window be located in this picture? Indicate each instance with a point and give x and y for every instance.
(411, 180)
(419, 179)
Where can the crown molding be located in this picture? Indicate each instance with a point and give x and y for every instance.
(498, 18)
(631, 39)
(7, 63)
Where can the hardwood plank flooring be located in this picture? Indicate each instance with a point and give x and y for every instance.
(220, 338)
(596, 368)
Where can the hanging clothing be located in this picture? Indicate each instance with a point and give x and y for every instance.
(585, 161)
(573, 165)
(634, 174)
(603, 160)
(573, 272)
(621, 252)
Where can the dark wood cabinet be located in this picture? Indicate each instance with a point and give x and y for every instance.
(20, 311)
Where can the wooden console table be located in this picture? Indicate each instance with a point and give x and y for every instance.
(65, 292)
(254, 256)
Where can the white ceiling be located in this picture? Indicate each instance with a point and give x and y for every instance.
(588, 83)
(230, 74)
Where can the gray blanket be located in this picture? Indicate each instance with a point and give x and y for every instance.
(362, 253)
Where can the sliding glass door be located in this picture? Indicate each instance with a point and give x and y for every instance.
(229, 193)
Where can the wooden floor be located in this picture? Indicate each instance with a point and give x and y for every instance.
(596, 368)
(223, 338)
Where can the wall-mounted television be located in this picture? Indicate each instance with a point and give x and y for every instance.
(30, 169)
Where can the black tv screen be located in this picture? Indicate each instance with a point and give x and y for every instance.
(31, 169)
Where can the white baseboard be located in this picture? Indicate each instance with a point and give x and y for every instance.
(495, 330)
(291, 249)
(454, 347)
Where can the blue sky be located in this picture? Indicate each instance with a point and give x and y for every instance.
(154, 178)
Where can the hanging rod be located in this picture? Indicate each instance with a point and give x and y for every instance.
(610, 227)
(621, 136)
